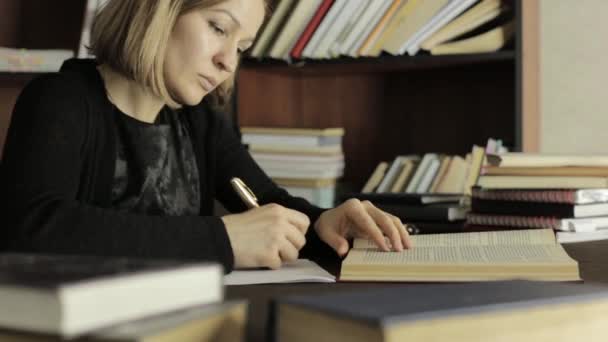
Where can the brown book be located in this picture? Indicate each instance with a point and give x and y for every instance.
(525, 254)
(222, 322)
(424, 11)
(520, 159)
(490, 41)
(398, 19)
(481, 13)
(443, 168)
(376, 177)
(477, 159)
(407, 170)
(379, 28)
(546, 171)
(453, 181)
(272, 28)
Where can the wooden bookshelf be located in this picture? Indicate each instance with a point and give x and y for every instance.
(391, 105)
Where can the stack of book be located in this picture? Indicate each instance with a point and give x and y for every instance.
(55, 297)
(430, 191)
(321, 29)
(566, 193)
(28, 60)
(305, 162)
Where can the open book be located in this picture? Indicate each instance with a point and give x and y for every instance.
(528, 254)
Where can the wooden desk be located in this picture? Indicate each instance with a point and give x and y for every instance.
(592, 258)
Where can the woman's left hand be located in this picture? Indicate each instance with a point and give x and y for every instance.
(361, 219)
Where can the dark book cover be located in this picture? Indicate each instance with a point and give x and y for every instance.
(393, 305)
(51, 271)
(444, 212)
(561, 210)
(405, 198)
(474, 228)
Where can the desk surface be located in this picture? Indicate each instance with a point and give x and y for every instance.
(591, 256)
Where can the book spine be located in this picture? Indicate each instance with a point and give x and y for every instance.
(298, 48)
(514, 221)
(500, 207)
(423, 213)
(548, 196)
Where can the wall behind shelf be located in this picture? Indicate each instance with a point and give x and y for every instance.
(41, 24)
(447, 109)
(573, 75)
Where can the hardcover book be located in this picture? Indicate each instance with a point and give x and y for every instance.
(218, 322)
(561, 210)
(69, 295)
(570, 196)
(493, 311)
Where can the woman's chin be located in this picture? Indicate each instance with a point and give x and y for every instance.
(191, 99)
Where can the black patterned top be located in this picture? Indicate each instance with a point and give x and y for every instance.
(156, 172)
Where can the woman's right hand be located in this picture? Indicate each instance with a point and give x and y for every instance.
(266, 236)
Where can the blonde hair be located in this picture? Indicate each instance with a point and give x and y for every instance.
(131, 36)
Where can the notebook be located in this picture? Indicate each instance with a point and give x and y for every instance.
(299, 271)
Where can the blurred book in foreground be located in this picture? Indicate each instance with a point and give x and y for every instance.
(221, 322)
(70, 295)
(493, 311)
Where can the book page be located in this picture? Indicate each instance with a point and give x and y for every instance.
(496, 238)
(513, 254)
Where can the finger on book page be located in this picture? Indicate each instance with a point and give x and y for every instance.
(386, 223)
(366, 224)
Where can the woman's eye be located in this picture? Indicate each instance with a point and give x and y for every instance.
(217, 29)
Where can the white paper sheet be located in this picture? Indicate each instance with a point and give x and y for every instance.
(299, 271)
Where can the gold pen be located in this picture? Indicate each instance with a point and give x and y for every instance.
(244, 193)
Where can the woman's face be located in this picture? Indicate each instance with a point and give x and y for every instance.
(204, 47)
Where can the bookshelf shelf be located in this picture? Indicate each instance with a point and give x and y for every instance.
(381, 64)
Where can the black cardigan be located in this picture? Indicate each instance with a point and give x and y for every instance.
(58, 167)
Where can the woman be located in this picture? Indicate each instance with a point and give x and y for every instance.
(124, 155)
